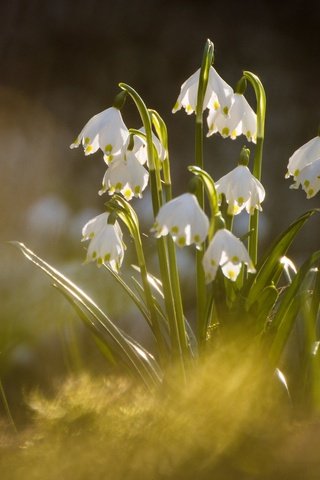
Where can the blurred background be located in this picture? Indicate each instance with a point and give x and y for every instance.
(61, 63)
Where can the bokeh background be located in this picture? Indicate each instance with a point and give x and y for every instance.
(61, 62)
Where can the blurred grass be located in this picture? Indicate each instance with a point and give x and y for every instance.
(230, 422)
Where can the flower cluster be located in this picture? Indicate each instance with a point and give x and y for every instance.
(229, 112)
(183, 218)
(125, 157)
(304, 167)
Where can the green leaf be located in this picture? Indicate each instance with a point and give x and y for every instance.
(134, 355)
(268, 269)
(265, 304)
(289, 306)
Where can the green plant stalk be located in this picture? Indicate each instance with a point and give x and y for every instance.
(177, 326)
(149, 300)
(174, 275)
(216, 222)
(254, 218)
(257, 163)
(7, 408)
(127, 214)
(202, 87)
(171, 289)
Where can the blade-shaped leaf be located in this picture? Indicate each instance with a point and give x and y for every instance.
(268, 269)
(290, 304)
(121, 344)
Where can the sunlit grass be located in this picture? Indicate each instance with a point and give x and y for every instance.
(229, 420)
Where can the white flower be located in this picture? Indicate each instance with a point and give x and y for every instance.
(106, 245)
(125, 175)
(106, 131)
(309, 179)
(227, 251)
(218, 94)
(140, 148)
(305, 155)
(241, 189)
(184, 219)
(241, 120)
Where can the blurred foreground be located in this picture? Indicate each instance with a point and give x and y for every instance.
(230, 422)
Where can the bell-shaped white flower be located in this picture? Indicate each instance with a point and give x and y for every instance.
(140, 148)
(228, 252)
(309, 179)
(242, 190)
(184, 219)
(305, 155)
(241, 120)
(106, 131)
(218, 94)
(125, 175)
(106, 245)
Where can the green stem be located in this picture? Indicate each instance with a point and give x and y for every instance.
(254, 218)
(149, 297)
(257, 165)
(174, 275)
(177, 326)
(202, 87)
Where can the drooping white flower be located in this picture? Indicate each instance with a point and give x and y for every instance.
(228, 252)
(218, 94)
(184, 219)
(106, 245)
(242, 190)
(106, 131)
(309, 179)
(140, 147)
(125, 175)
(241, 120)
(305, 155)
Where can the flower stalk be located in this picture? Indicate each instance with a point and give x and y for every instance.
(166, 252)
(257, 163)
(207, 60)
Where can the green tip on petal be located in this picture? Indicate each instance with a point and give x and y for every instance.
(181, 241)
(88, 149)
(196, 238)
(176, 107)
